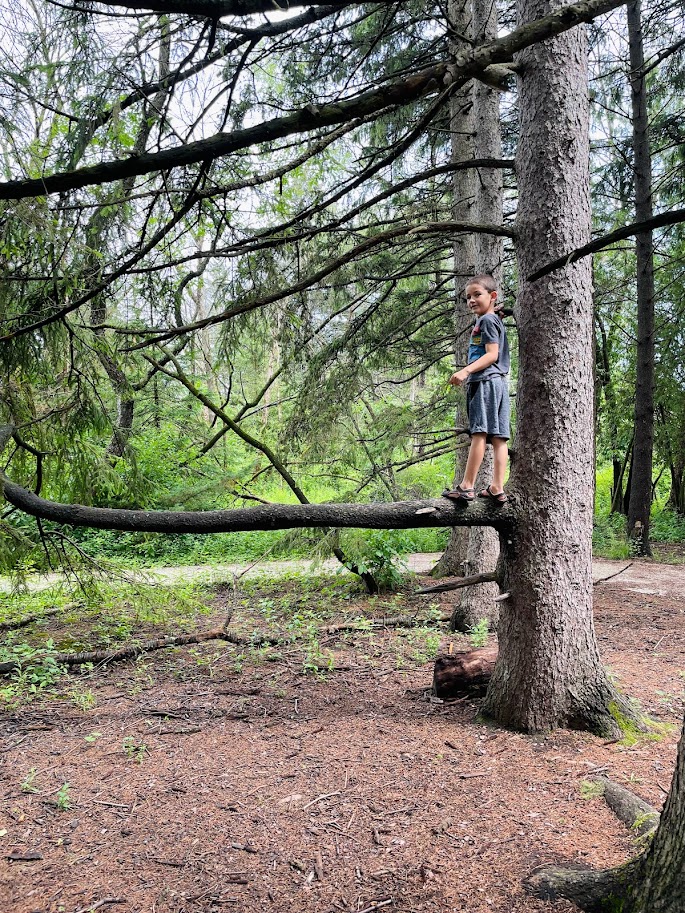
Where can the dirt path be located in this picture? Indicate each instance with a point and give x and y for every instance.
(639, 576)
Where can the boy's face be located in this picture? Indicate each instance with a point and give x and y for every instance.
(479, 300)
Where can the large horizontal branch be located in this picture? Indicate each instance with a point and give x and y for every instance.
(672, 217)
(398, 92)
(393, 515)
(216, 9)
(88, 126)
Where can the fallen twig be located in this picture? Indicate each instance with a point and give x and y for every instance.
(100, 903)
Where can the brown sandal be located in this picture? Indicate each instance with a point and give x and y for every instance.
(459, 493)
(498, 497)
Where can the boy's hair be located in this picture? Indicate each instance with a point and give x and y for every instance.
(484, 279)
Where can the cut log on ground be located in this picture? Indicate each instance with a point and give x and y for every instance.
(466, 672)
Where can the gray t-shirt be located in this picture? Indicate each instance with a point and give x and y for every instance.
(489, 328)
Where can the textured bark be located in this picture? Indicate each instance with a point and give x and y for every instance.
(482, 551)
(548, 673)
(641, 481)
(638, 815)
(383, 515)
(465, 672)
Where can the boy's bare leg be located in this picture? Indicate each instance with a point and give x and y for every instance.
(500, 454)
(475, 458)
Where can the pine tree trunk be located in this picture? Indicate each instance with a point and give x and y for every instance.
(463, 209)
(548, 672)
(641, 478)
(482, 551)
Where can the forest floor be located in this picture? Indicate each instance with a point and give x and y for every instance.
(320, 776)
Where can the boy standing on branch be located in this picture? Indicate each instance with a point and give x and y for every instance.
(487, 393)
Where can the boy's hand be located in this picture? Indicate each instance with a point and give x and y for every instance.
(459, 378)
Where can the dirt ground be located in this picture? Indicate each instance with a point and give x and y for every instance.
(202, 782)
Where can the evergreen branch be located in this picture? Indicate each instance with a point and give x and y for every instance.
(216, 9)
(398, 92)
(673, 217)
(360, 250)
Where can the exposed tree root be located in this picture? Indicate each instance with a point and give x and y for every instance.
(594, 892)
(641, 817)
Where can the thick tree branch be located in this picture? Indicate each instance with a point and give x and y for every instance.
(398, 92)
(460, 583)
(215, 9)
(393, 515)
(672, 217)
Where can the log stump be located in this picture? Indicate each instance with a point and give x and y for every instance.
(465, 672)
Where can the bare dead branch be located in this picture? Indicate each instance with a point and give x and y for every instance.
(672, 217)
(474, 580)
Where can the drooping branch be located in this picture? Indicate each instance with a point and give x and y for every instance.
(399, 92)
(306, 282)
(437, 512)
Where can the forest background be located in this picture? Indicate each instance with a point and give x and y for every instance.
(279, 324)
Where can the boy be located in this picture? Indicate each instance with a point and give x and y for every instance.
(487, 394)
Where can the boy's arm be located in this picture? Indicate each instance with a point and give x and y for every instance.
(490, 357)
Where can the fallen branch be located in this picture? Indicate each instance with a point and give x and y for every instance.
(23, 622)
(611, 576)
(103, 657)
(402, 621)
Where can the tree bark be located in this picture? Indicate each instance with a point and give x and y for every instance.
(464, 208)
(641, 471)
(389, 515)
(548, 672)
(482, 552)
(465, 672)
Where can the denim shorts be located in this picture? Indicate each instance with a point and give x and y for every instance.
(487, 406)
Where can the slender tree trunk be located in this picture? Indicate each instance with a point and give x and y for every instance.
(548, 672)
(463, 208)
(477, 602)
(640, 502)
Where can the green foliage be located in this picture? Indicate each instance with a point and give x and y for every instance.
(63, 801)
(478, 634)
(28, 784)
(38, 670)
(134, 750)
(377, 552)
